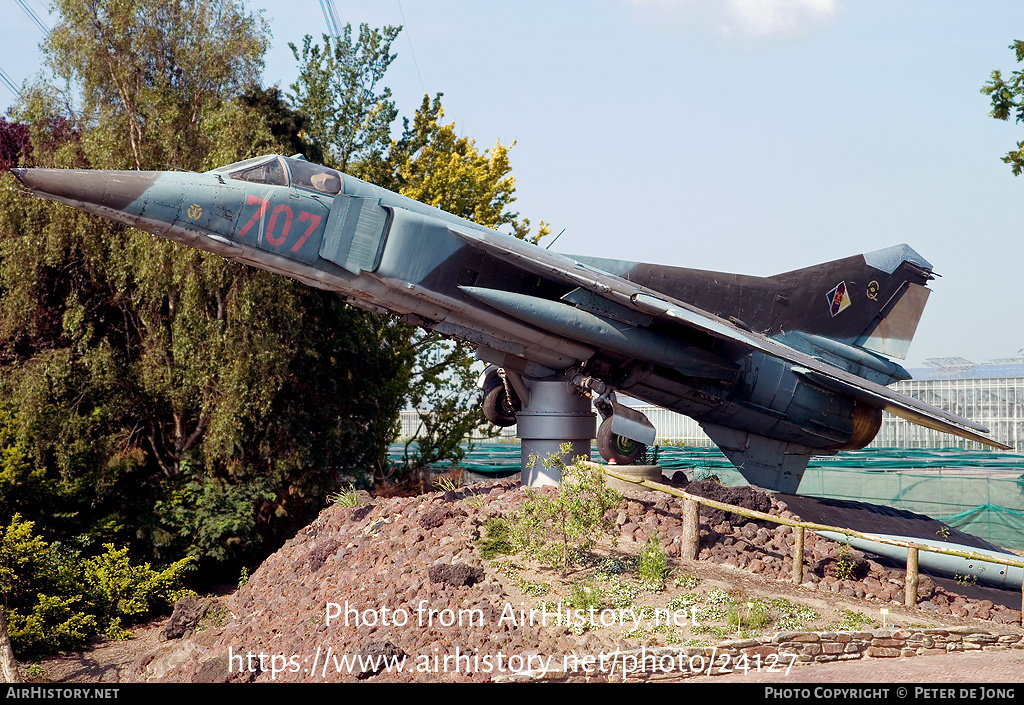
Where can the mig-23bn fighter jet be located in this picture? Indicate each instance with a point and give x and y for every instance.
(775, 369)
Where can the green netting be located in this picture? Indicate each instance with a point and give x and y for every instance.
(978, 492)
(1000, 525)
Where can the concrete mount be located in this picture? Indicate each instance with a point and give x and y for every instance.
(555, 414)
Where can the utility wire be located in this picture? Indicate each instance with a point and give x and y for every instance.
(408, 35)
(10, 84)
(34, 17)
(330, 17)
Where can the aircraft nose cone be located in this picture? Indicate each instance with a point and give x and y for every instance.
(112, 189)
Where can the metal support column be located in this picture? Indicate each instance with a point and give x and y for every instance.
(557, 414)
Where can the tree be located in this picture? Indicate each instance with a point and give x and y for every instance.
(432, 164)
(150, 70)
(350, 119)
(187, 404)
(338, 88)
(1008, 98)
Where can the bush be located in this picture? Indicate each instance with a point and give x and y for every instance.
(560, 529)
(55, 599)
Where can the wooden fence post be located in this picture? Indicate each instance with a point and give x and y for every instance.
(691, 530)
(910, 585)
(798, 555)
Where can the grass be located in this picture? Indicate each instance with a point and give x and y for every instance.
(345, 498)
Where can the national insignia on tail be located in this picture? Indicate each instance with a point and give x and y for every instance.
(838, 299)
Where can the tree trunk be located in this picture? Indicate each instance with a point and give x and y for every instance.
(9, 667)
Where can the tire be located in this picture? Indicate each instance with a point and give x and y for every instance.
(617, 449)
(499, 409)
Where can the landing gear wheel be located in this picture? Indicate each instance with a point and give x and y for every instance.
(499, 409)
(617, 449)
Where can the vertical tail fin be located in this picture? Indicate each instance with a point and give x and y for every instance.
(872, 301)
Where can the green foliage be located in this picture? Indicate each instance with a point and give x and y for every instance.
(346, 497)
(844, 563)
(966, 580)
(653, 566)
(584, 595)
(560, 529)
(56, 598)
(1007, 97)
(243, 577)
(687, 581)
(339, 88)
(497, 539)
(166, 397)
(851, 620)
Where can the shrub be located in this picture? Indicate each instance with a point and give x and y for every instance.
(560, 529)
(56, 599)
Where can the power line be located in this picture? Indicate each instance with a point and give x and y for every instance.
(34, 17)
(10, 84)
(330, 17)
(408, 35)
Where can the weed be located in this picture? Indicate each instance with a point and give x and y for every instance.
(966, 580)
(215, 616)
(844, 563)
(617, 566)
(528, 587)
(683, 602)
(943, 532)
(559, 530)
(686, 581)
(445, 484)
(497, 539)
(792, 617)
(34, 670)
(345, 498)
(653, 566)
(584, 595)
(852, 620)
(620, 594)
(243, 577)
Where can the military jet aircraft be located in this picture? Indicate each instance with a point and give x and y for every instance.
(775, 369)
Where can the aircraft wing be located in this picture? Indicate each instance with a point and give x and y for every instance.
(659, 305)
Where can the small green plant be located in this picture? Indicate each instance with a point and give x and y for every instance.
(653, 566)
(686, 581)
(445, 484)
(243, 577)
(584, 595)
(792, 617)
(943, 532)
(844, 563)
(620, 594)
(560, 529)
(497, 539)
(966, 580)
(345, 498)
(851, 620)
(531, 588)
(683, 602)
(34, 670)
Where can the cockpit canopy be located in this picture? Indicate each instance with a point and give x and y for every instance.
(276, 170)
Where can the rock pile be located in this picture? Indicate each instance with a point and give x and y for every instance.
(400, 581)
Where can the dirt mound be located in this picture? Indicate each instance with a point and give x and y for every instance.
(400, 581)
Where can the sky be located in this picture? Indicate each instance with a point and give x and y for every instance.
(749, 136)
